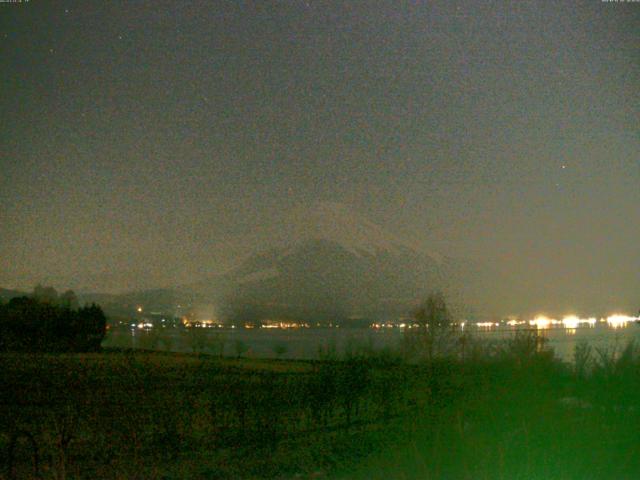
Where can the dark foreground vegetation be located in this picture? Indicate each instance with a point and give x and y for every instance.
(508, 411)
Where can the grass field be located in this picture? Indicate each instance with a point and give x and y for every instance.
(510, 413)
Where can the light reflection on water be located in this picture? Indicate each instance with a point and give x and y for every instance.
(306, 342)
(563, 340)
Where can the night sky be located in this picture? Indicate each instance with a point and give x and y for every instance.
(153, 143)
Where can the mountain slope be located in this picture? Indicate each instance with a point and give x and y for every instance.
(322, 277)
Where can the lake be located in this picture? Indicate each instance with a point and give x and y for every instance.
(304, 343)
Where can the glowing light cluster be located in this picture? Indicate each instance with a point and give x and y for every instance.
(514, 322)
(542, 322)
(620, 321)
(487, 324)
(378, 326)
(572, 321)
(284, 325)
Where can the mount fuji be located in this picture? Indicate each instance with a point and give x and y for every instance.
(330, 264)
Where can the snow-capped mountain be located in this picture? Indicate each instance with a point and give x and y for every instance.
(333, 263)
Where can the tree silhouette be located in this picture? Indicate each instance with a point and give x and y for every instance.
(434, 332)
(45, 294)
(433, 313)
(38, 325)
(69, 300)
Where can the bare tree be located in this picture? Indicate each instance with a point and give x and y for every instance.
(433, 333)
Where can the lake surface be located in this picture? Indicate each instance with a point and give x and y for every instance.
(305, 343)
